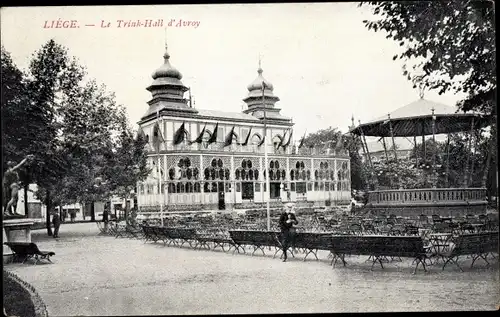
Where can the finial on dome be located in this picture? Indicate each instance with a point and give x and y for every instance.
(352, 119)
(166, 56)
(260, 65)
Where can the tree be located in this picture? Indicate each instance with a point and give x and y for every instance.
(52, 78)
(129, 163)
(452, 44)
(333, 139)
(448, 46)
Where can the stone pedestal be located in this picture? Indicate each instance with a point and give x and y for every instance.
(15, 230)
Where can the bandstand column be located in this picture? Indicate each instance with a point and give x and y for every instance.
(466, 172)
(372, 170)
(472, 160)
(488, 156)
(392, 137)
(385, 149)
(415, 145)
(447, 160)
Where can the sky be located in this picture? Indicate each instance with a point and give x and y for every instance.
(324, 64)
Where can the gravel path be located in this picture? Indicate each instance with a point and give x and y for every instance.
(100, 275)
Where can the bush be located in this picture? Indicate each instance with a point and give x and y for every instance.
(16, 299)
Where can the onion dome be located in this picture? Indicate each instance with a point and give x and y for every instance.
(166, 70)
(257, 83)
(167, 90)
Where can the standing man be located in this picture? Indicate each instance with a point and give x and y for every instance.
(10, 184)
(286, 223)
(56, 220)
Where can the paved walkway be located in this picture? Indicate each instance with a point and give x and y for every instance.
(101, 275)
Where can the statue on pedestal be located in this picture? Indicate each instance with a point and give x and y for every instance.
(11, 185)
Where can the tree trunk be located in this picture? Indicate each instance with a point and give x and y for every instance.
(48, 205)
(84, 208)
(26, 213)
(92, 211)
(127, 208)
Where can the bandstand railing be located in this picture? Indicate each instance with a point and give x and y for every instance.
(427, 196)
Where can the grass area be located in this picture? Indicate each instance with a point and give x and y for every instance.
(16, 300)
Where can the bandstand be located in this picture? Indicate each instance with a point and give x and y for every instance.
(424, 118)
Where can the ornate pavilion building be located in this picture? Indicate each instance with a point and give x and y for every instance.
(213, 160)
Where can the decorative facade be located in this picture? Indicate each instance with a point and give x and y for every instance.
(214, 160)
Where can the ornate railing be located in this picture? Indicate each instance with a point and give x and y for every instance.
(219, 147)
(430, 196)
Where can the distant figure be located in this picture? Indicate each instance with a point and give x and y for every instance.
(286, 222)
(10, 184)
(105, 216)
(56, 220)
(72, 215)
(288, 195)
(353, 206)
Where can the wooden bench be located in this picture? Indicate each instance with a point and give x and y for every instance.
(378, 247)
(311, 242)
(477, 245)
(216, 237)
(133, 232)
(149, 233)
(256, 239)
(29, 250)
(177, 236)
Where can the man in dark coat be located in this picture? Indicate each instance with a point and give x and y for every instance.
(56, 220)
(287, 222)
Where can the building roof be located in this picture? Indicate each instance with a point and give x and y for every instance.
(225, 114)
(401, 145)
(422, 117)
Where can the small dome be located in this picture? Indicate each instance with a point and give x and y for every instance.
(166, 70)
(257, 83)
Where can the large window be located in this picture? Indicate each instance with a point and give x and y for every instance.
(216, 172)
(184, 178)
(247, 173)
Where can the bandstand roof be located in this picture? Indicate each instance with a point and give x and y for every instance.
(415, 119)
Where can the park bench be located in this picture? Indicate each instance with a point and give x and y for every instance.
(149, 233)
(216, 237)
(176, 236)
(256, 239)
(28, 250)
(311, 242)
(379, 247)
(477, 245)
(133, 232)
(119, 230)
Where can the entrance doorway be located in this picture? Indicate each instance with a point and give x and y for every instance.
(222, 196)
(275, 190)
(247, 190)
